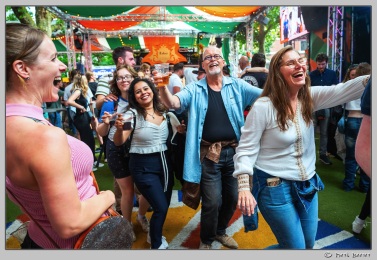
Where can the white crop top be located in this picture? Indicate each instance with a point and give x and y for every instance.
(148, 137)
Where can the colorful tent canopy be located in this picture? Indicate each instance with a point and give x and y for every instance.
(113, 26)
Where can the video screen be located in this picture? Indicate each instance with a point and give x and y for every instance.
(291, 23)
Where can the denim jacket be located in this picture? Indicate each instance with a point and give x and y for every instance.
(236, 94)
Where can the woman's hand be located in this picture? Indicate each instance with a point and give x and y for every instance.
(107, 117)
(119, 122)
(246, 202)
(111, 97)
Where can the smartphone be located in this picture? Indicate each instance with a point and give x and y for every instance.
(272, 182)
(127, 125)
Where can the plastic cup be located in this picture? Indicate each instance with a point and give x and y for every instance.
(127, 123)
(163, 71)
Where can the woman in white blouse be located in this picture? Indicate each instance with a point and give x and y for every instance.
(277, 148)
(149, 163)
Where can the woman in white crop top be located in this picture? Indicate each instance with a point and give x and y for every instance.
(149, 164)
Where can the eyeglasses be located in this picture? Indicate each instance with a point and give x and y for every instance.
(292, 63)
(126, 77)
(209, 57)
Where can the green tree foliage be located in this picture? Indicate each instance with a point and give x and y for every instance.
(263, 35)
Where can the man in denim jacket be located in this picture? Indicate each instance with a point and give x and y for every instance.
(215, 105)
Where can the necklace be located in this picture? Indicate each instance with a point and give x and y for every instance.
(151, 115)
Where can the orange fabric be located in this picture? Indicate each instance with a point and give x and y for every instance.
(107, 25)
(162, 49)
(228, 11)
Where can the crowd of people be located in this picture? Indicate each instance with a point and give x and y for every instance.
(247, 140)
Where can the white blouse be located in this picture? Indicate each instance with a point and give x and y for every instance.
(290, 154)
(148, 137)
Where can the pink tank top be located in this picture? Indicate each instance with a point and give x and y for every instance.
(82, 162)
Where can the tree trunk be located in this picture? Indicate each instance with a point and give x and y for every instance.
(23, 15)
(43, 19)
(261, 38)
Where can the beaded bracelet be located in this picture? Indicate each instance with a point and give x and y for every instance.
(243, 182)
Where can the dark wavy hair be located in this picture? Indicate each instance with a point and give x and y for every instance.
(276, 88)
(113, 82)
(157, 104)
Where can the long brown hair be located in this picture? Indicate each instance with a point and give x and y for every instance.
(113, 82)
(276, 88)
(158, 106)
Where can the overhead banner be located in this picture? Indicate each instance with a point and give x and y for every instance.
(162, 50)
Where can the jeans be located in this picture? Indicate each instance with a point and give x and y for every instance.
(294, 226)
(55, 119)
(219, 191)
(352, 126)
(70, 120)
(148, 175)
(323, 126)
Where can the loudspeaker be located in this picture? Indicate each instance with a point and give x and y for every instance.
(315, 18)
(219, 42)
(263, 19)
(78, 42)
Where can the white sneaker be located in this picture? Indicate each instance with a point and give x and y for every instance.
(94, 168)
(358, 225)
(99, 165)
(164, 243)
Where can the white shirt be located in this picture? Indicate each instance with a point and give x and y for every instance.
(290, 154)
(174, 81)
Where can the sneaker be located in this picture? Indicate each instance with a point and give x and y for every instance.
(204, 246)
(358, 225)
(227, 241)
(323, 158)
(164, 243)
(144, 223)
(99, 165)
(94, 168)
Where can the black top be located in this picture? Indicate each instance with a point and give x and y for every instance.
(217, 126)
(256, 79)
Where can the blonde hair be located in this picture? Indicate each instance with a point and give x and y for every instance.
(80, 83)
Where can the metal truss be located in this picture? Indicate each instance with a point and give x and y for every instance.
(335, 39)
(162, 15)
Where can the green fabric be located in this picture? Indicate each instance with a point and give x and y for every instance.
(226, 50)
(116, 42)
(60, 47)
(95, 11)
(214, 27)
(187, 42)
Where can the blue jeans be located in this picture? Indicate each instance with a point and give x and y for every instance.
(352, 126)
(70, 120)
(55, 119)
(294, 226)
(219, 193)
(323, 126)
(148, 175)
